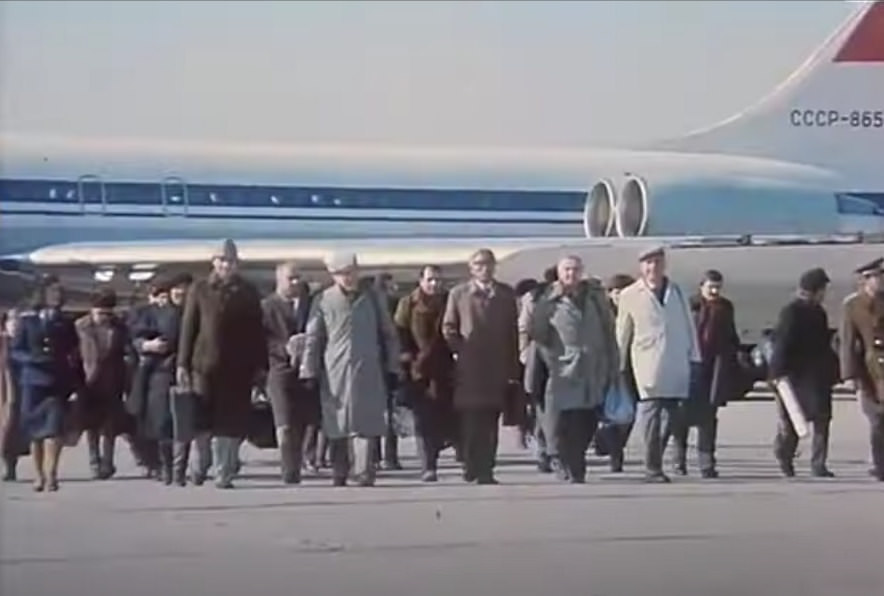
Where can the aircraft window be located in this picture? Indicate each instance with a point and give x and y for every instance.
(70, 195)
(315, 199)
(213, 197)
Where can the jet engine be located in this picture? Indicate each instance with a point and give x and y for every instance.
(707, 206)
(598, 213)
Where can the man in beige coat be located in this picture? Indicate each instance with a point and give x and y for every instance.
(480, 325)
(656, 334)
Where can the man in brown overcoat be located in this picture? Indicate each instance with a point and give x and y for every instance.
(862, 354)
(481, 327)
(222, 354)
(104, 341)
(428, 367)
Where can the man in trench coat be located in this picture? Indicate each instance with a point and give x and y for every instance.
(481, 326)
(351, 353)
(222, 354)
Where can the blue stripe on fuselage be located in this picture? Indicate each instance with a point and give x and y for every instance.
(123, 193)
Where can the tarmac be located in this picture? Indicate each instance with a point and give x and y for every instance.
(748, 532)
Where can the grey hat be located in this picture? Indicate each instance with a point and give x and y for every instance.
(650, 252)
(340, 261)
(226, 250)
(814, 280)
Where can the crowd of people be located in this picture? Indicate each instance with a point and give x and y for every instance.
(569, 359)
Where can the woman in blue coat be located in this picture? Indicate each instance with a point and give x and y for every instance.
(46, 349)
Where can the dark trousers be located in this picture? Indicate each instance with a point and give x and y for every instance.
(434, 423)
(874, 412)
(786, 440)
(293, 411)
(574, 430)
(390, 450)
(655, 417)
(705, 418)
(618, 435)
(101, 453)
(479, 434)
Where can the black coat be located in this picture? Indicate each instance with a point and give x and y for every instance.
(154, 373)
(803, 352)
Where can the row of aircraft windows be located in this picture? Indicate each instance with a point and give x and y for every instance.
(128, 193)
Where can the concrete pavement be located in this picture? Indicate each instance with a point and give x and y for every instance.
(749, 532)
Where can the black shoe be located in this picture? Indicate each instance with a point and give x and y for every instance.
(198, 478)
(364, 480)
(224, 484)
(180, 479)
(487, 480)
(822, 473)
(543, 465)
(10, 475)
(339, 482)
(107, 472)
(709, 473)
(166, 476)
(391, 465)
(657, 478)
(680, 469)
(578, 480)
(291, 478)
(787, 468)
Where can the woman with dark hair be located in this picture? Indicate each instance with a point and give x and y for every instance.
(45, 347)
(13, 444)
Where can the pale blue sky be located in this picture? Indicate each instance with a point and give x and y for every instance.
(564, 73)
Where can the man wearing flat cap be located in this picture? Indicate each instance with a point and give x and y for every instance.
(222, 354)
(658, 342)
(802, 354)
(862, 353)
(351, 353)
(104, 343)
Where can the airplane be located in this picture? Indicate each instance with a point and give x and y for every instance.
(803, 162)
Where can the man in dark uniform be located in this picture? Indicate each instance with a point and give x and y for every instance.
(862, 353)
(803, 354)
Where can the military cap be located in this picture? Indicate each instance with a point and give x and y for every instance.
(814, 280)
(340, 261)
(873, 267)
(651, 252)
(227, 250)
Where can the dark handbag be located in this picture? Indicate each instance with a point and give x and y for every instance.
(184, 405)
(262, 430)
(72, 423)
(515, 407)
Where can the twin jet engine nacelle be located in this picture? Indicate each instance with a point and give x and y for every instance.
(636, 206)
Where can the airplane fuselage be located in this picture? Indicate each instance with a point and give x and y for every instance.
(50, 194)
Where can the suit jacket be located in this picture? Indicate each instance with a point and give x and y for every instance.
(281, 321)
(658, 340)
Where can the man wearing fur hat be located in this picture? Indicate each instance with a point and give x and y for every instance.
(222, 354)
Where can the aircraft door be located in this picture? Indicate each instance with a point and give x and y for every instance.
(92, 195)
(174, 191)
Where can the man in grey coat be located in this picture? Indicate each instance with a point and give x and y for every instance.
(573, 327)
(351, 351)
